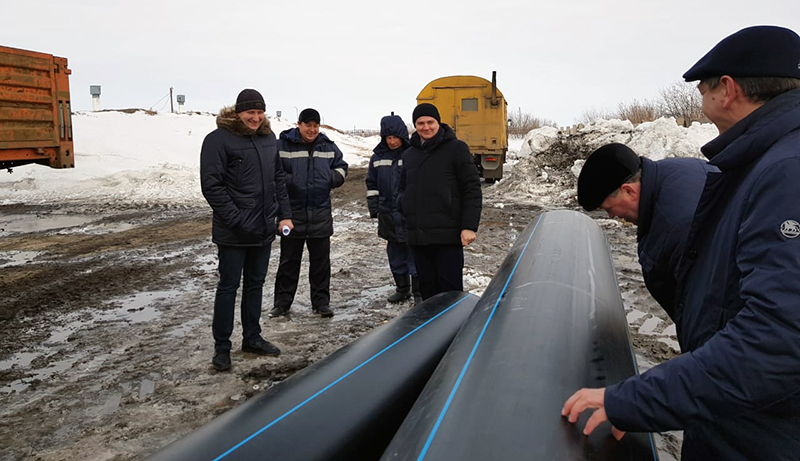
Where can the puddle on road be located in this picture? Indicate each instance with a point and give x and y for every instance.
(21, 360)
(649, 326)
(635, 315)
(41, 374)
(137, 308)
(14, 223)
(184, 328)
(66, 224)
(17, 258)
(141, 307)
(146, 388)
(111, 405)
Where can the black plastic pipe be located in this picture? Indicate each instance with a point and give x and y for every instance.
(550, 322)
(346, 406)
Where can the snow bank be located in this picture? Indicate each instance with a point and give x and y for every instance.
(546, 167)
(137, 158)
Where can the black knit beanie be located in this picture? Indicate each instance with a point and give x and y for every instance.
(426, 109)
(250, 99)
(309, 115)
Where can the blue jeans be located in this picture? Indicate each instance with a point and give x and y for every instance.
(253, 261)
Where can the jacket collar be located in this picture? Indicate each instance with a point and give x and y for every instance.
(646, 196)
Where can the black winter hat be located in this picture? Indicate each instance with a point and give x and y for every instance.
(758, 51)
(309, 115)
(426, 109)
(606, 169)
(250, 99)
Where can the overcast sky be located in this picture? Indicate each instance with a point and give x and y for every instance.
(356, 61)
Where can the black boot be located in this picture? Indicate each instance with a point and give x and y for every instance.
(415, 290)
(403, 290)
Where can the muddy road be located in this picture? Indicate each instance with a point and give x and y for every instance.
(105, 318)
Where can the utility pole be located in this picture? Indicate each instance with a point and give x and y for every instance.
(171, 108)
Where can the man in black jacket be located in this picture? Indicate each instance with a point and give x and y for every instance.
(440, 197)
(243, 182)
(313, 166)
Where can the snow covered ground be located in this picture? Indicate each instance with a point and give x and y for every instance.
(137, 158)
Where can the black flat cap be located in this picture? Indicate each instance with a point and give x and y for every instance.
(606, 169)
(758, 51)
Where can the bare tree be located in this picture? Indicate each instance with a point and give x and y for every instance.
(594, 114)
(682, 100)
(638, 111)
(523, 122)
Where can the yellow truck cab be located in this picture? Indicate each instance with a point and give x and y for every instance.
(476, 110)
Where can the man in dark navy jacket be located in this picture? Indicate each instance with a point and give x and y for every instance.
(383, 181)
(658, 196)
(313, 166)
(440, 197)
(735, 391)
(242, 179)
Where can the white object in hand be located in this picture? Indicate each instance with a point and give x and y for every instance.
(285, 230)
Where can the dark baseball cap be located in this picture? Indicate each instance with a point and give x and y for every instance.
(758, 51)
(309, 115)
(604, 171)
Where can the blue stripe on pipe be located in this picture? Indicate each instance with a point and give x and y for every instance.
(474, 348)
(276, 420)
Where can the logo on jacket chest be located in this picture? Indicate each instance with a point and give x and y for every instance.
(790, 229)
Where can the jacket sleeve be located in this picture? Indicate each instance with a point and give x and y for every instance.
(281, 192)
(213, 162)
(338, 168)
(754, 361)
(373, 193)
(469, 183)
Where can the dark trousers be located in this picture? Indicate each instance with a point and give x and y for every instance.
(319, 272)
(439, 268)
(401, 261)
(253, 261)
